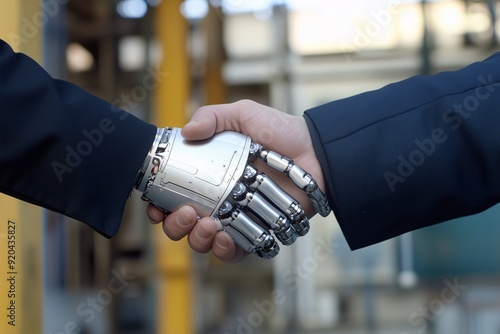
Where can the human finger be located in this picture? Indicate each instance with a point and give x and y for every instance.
(274, 129)
(154, 214)
(226, 250)
(180, 223)
(201, 237)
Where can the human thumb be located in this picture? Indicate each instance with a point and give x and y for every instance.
(201, 126)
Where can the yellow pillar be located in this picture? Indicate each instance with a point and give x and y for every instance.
(20, 223)
(214, 86)
(174, 309)
(172, 97)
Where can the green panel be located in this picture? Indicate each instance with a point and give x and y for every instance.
(463, 246)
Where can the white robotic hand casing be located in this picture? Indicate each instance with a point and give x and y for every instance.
(201, 174)
(215, 178)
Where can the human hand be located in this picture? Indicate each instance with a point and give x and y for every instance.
(286, 134)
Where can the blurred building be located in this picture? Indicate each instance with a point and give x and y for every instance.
(160, 60)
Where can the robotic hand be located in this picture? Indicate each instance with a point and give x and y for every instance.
(214, 176)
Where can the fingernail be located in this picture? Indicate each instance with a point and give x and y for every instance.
(183, 218)
(203, 232)
(191, 123)
(152, 221)
(222, 243)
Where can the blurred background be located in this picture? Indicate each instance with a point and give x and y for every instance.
(160, 60)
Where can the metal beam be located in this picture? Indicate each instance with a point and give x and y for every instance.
(175, 311)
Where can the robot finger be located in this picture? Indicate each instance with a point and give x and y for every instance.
(267, 214)
(248, 234)
(265, 185)
(280, 198)
(302, 179)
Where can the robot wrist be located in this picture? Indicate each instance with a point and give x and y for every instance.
(151, 163)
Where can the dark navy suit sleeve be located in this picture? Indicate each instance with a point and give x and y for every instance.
(413, 153)
(63, 149)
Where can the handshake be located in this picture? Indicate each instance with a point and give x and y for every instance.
(219, 178)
